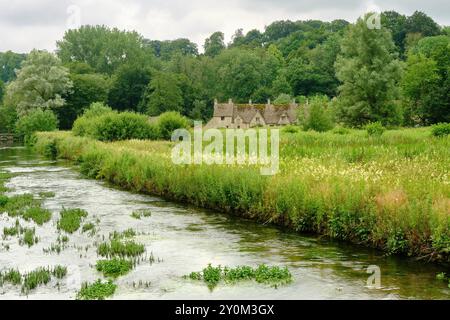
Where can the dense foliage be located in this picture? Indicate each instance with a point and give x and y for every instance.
(36, 120)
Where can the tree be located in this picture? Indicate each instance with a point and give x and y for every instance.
(102, 48)
(163, 94)
(280, 85)
(283, 99)
(396, 23)
(369, 71)
(2, 90)
(419, 22)
(419, 85)
(240, 74)
(167, 49)
(199, 111)
(279, 29)
(9, 62)
(214, 44)
(128, 86)
(426, 81)
(306, 79)
(316, 115)
(87, 88)
(41, 83)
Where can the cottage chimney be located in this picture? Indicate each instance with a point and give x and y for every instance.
(293, 101)
(268, 101)
(215, 102)
(250, 102)
(230, 101)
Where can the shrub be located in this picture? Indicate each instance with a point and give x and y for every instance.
(340, 130)
(440, 129)
(124, 126)
(37, 120)
(113, 126)
(290, 129)
(96, 109)
(375, 129)
(168, 122)
(317, 115)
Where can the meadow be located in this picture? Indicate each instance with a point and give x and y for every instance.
(390, 192)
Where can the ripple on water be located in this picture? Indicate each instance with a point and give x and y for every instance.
(182, 239)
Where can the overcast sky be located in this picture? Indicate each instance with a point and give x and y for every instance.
(28, 24)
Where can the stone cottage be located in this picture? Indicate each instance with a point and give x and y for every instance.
(243, 116)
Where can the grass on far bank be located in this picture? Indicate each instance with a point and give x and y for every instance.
(390, 192)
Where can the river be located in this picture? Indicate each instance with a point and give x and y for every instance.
(182, 239)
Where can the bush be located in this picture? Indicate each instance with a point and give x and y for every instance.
(124, 126)
(290, 129)
(97, 109)
(440, 129)
(86, 125)
(8, 118)
(37, 120)
(317, 116)
(168, 122)
(106, 125)
(375, 129)
(341, 130)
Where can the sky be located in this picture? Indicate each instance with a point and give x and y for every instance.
(29, 24)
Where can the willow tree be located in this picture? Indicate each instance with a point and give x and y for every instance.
(369, 70)
(41, 83)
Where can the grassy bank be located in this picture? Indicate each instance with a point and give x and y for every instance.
(390, 192)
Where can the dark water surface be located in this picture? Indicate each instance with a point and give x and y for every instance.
(183, 239)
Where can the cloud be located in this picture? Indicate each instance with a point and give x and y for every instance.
(28, 24)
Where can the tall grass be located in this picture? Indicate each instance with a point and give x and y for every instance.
(390, 192)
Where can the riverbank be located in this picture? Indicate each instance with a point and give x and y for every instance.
(391, 193)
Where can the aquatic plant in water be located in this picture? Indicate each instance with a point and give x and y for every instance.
(12, 276)
(38, 215)
(96, 291)
(88, 227)
(71, 219)
(138, 214)
(114, 267)
(120, 248)
(18, 204)
(128, 233)
(273, 276)
(34, 278)
(28, 237)
(46, 194)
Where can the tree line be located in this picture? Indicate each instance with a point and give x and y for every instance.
(396, 75)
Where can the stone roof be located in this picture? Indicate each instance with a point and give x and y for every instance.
(223, 110)
(271, 113)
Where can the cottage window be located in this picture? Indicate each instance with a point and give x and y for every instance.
(222, 118)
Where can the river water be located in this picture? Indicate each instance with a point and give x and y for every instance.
(182, 239)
